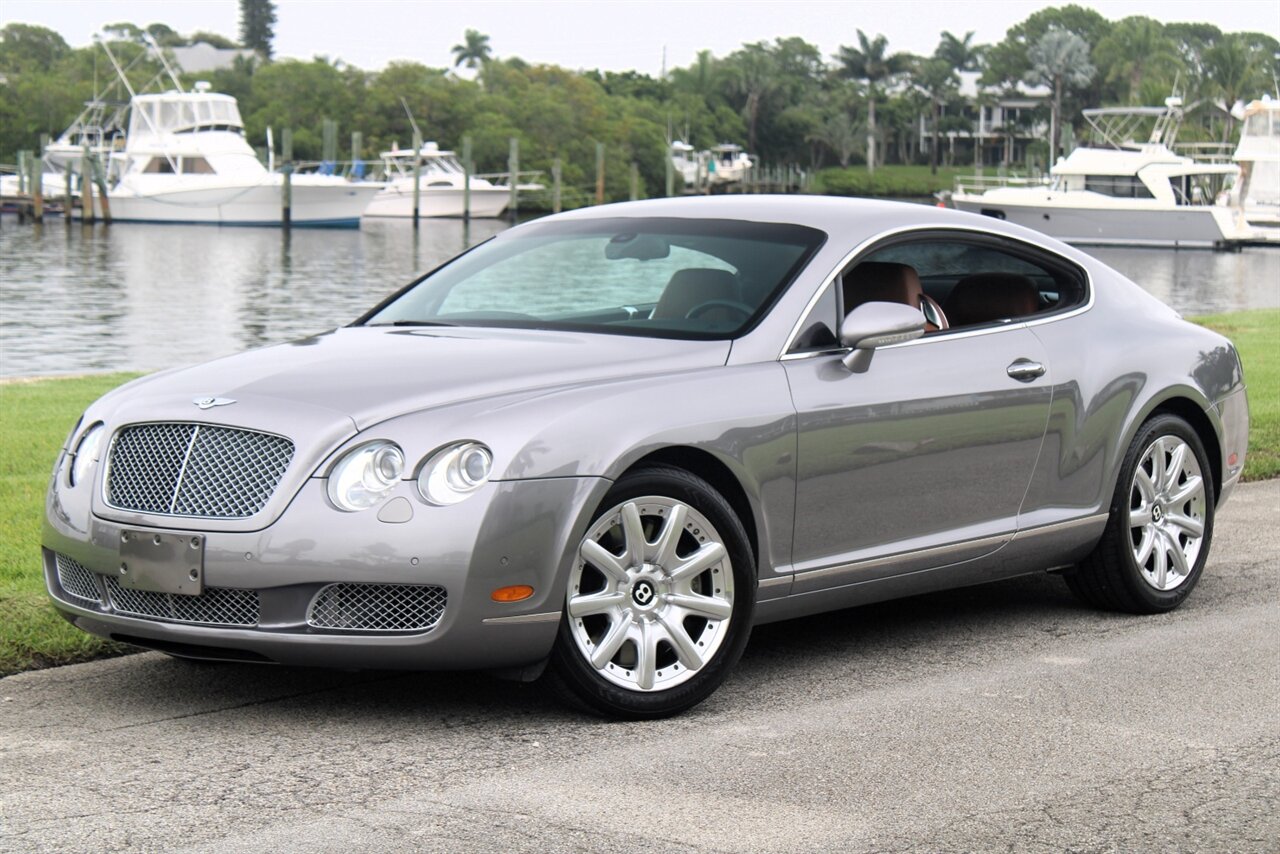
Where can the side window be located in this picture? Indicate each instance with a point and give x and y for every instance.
(960, 283)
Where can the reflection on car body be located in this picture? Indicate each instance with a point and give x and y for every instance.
(606, 444)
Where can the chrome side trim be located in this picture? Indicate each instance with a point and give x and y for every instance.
(907, 229)
(1059, 527)
(936, 551)
(774, 582)
(545, 617)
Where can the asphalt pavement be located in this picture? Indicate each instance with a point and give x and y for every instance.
(1002, 717)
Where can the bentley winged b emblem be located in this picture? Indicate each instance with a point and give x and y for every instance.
(211, 402)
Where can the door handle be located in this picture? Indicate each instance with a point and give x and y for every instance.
(1025, 370)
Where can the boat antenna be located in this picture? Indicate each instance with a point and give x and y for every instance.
(412, 123)
(155, 46)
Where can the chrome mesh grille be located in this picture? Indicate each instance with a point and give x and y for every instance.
(216, 606)
(377, 607)
(195, 470)
(76, 581)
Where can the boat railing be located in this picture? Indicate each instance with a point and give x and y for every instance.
(503, 179)
(982, 183)
(1206, 152)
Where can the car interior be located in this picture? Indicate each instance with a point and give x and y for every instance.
(955, 285)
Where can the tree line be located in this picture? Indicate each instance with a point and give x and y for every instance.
(783, 99)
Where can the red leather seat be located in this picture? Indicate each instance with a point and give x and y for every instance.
(881, 281)
(984, 297)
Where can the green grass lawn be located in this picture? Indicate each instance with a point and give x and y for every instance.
(1257, 336)
(36, 416)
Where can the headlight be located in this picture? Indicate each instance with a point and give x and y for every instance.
(366, 475)
(454, 472)
(85, 454)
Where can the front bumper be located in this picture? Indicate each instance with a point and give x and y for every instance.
(512, 532)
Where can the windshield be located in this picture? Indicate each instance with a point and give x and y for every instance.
(671, 278)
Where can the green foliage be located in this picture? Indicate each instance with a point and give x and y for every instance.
(782, 98)
(257, 25)
(474, 51)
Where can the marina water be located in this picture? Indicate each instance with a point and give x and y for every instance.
(147, 297)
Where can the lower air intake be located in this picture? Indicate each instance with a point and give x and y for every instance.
(216, 606)
(377, 607)
(76, 581)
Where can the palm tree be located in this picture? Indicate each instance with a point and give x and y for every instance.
(474, 51)
(753, 75)
(962, 54)
(839, 133)
(936, 78)
(1136, 49)
(869, 63)
(1233, 69)
(1059, 60)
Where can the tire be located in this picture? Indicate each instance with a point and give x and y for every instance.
(655, 617)
(1157, 538)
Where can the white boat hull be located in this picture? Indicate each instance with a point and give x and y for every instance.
(397, 201)
(316, 201)
(1191, 226)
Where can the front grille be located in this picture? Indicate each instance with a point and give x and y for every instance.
(76, 581)
(194, 470)
(377, 607)
(216, 606)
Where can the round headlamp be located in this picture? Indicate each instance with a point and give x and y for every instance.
(454, 472)
(85, 455)
(366, 475)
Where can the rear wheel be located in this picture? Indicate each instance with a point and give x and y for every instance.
(659, 600)
(1157, 537)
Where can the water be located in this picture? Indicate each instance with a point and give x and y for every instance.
(143, 297)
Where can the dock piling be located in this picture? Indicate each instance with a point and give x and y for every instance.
(35, 165)
(671, 177)
(513, 166)
(555, 185)
(86, 187)
(467, 169)
(599, 173)
(286, 187)
(357, 155)
(635, 180)
(417, 176)
(66, 191)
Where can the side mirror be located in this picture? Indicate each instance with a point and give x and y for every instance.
(877, 324)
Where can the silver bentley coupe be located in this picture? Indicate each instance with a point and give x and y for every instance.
(603, 445)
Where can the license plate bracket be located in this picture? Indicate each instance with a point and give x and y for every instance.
(162, 562)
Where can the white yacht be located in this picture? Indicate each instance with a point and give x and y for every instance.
(185, 159)
(685, 161)
(1258, 191)
(1118, 191)
(441, 183)
(728, 163)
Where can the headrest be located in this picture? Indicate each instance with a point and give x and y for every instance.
(691, 287)
(880, 281)
(984, 297)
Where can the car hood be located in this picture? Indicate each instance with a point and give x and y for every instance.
(365, 375)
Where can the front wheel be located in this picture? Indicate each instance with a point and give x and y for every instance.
(659, 601)
(1157, 538)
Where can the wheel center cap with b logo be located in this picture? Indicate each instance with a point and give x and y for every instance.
(643, 593)
(1157, 513)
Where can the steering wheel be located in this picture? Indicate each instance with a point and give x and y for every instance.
(731, 305)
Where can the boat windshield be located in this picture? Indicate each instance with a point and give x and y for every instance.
(183, 113)
(1262, 124)
(656, 277)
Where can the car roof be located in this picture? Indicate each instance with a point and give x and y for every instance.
(846, 218)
